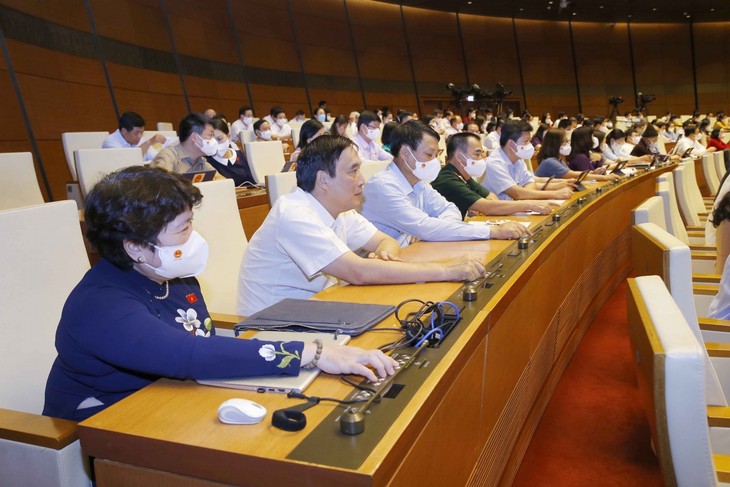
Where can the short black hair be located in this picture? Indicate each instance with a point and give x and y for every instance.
(581, 141)
(258, 123)
(385, 135)
(135, 204)
(220, 124)
(193, 122)
(513, 130)
(275, 111)
(320, 155)
(309, 128)
(615, 134)
(460, 142)
(299, 112)
(564, 123)
(129, 120)
(410, 134)
(244, 109)
(366, 118)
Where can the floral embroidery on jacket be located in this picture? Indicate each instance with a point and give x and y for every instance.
(189, 320)
(269, 353)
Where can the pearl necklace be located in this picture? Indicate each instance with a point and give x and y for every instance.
(167, 292)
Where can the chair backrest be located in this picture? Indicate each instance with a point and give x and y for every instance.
(693, 187)
(708, 169)
(279, 184)
(44, 258)
(217, 219)
(94, 164)
(165, 126)
(675, 224)
(684, 199)
(442, 149)
(669, 362)
(651, 210)
(20, 186)
(661, 144)
(73, 141)
(296, 127)
(265, 158)
(247, 136)
(149, 133)
(656, 252)
(369, 169)
(720, 164)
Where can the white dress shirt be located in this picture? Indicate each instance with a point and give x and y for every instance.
(237, 127)
(285, 256)
(370, 151)
(685, 143)
(116, 141)
(720, 306)
(284, 131)
(491, 141)
(503, 174)
(404, 211)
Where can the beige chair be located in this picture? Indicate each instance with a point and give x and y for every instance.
(685, 186)
(264, 158)
(246, 136)
(73, 141)
(218, 221)
(44, 258)
(279, 184)
(20, 185)
(720, 164)
(94, 164)
(296, 127)
(670, 364)
(651, 210)
(165, 126)
(675, 224)
(370, 169)
(708, 169)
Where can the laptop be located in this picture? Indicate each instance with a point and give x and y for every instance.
(620, 165)
(579, 181)
(283, 383)
(199, 177)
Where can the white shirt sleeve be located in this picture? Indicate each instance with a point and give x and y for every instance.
(720, 306)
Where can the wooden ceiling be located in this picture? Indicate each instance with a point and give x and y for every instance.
(586, 10)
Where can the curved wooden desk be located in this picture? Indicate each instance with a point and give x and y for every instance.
(470, 421)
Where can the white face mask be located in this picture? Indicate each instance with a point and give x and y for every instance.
(595, 142)
(280, 122)
(548, 121)
(459, 126)
(186, 260)
(209, 147)
(266, 134)
(475, 168)
(373, 134)
(425, 171)
(565, 150)
(634, 140)
(616, 147)
(222, 148)
(525, 151)
(248, 120)
(321, 117)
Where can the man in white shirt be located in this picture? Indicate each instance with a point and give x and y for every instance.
(455, 126)
(129, 134)
(491, 141)
(691, 141)
(308, 240)
(401, 202)
(278, 121)
(367, 138)
(244, 122)
(507, 175)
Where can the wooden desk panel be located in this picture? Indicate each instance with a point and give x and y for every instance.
(469, 423)
(253, 206)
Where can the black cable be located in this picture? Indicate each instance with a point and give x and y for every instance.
(299, 395)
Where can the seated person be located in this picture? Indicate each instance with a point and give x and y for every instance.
(129, 134)
(715, 141)
(309, 238)
(196, 141)
(631, 137)
(139, 315)
(720, 307)
(385, 137)
(722, 122)
(581, 157)
(647, 145)
(339, 126)
(465, 162)
(228, 160)
(455, 126)
(280, 129)
(401, 203)
(244, 122)
(472, 128)
(494, 132)
(319, 115)
(300, 116)
(352, 125)
(311, 129)
(691, 140)
(551, 158)
(367, 138)
(507, 175)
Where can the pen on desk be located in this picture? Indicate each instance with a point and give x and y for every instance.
(548, 182)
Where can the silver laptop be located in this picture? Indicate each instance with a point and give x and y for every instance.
(283, 383)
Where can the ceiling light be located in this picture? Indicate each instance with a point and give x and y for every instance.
(654, 9)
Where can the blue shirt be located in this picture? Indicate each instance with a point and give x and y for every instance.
(551, 167)
(115, 337)
(503, 174)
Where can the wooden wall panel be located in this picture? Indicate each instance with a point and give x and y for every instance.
(202, 29)
(663, 61)
(547, 66)
(132, 21)
(69, 13)
(604, 65)
(491, 55)
(435, 49)
(267, 96)
(712, 55)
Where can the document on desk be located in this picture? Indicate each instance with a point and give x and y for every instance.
(492, 223)
(313, 315)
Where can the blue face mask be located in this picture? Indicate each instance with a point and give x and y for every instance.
(321, 117)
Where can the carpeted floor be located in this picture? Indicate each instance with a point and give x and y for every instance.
(594, 432)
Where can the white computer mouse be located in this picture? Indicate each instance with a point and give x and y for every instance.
(241, 411)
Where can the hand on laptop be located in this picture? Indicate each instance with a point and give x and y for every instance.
(337, 359)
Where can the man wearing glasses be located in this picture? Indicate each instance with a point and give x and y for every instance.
(367, 139)
(401, 202)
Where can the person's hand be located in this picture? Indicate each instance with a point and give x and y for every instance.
(384, 255)
(562, 193)
(337, 359)
(595, 157)
(509, 231)
(158, 139)
(541, 207)
(466, 268)
(569, 183)
(610, 177)
(647, 158)
(599, 170)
